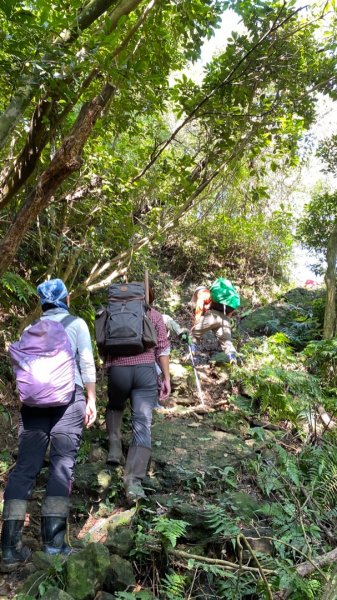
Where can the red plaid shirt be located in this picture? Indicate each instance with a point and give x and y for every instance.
(150, 356)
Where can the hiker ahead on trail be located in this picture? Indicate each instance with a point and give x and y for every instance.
(133, 338)
(213, 309)
(54, 410)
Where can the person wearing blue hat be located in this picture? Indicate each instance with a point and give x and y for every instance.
(59, 425)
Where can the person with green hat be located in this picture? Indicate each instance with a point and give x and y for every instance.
(224, 301)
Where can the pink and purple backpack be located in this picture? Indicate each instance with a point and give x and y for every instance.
(44, 364)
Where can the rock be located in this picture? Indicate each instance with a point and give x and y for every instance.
(96, 477)
(178, 371)
(31, 584)
(97, 454)
(104, 596)
(245, 504)
(258, 542)
(194, 515)
(281, 314)
(182, 401)
(99, 531)
(183, 451)
(86, 570)
(219, 358)
(44, 561)
(120, 540)
(266, 320)
(198, 531)
(120, 575)
(55, 593)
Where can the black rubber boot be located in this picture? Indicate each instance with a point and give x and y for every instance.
(54, 517)
(53, 532)
(114, 419)
(135, 471)
(13, 551)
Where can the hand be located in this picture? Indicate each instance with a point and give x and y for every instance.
(165, 390)
(185, 337)
(90, 411)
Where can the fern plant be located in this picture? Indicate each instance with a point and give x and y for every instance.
(219, 521)
(16, 288)
(235, 587)
(319, 468)
(283, 392)
(170, 530)
(174, 586)
(298, 588)
(321, 358)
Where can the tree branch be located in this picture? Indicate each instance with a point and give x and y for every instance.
(90, 13)
(66, 160)
(274, 27)
(226, 564)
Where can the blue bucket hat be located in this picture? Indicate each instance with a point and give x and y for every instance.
(53, 292)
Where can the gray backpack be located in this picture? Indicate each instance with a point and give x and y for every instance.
(124, 328)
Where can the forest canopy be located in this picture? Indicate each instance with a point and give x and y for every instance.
(108, 159)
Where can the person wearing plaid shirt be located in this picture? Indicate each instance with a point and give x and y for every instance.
(135, 377)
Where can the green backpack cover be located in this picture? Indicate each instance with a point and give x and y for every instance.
(224, 292)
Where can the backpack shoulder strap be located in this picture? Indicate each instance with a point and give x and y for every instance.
(67, 320)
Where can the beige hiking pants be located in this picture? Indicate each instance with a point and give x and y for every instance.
(220, 324)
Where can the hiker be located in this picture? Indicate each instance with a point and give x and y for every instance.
(134, 377)
(39, 424)
(213, 316)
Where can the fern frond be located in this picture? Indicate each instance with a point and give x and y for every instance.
(170, 530)
(17, 286)
(174, 586)
(220, 522)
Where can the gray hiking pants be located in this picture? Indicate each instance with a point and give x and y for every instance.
(62, 428)
(139, 384)
(220, 324)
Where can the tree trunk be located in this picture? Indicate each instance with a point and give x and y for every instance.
(66, 160)
(330, 282)
(38, 137)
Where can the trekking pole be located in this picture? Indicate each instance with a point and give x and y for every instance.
(197, 380)
(146, 286)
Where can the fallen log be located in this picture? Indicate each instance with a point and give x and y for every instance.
(307, 567)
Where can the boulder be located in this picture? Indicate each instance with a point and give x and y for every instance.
(86, 570)
(280, 314)
(31, 584)
(96, 477)
(174, 455)
(259, 542)
(55, 593)
(119, 540)
(97, 454)
(120, 575)
(245, 505)
(44, 561)
(100, 530)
